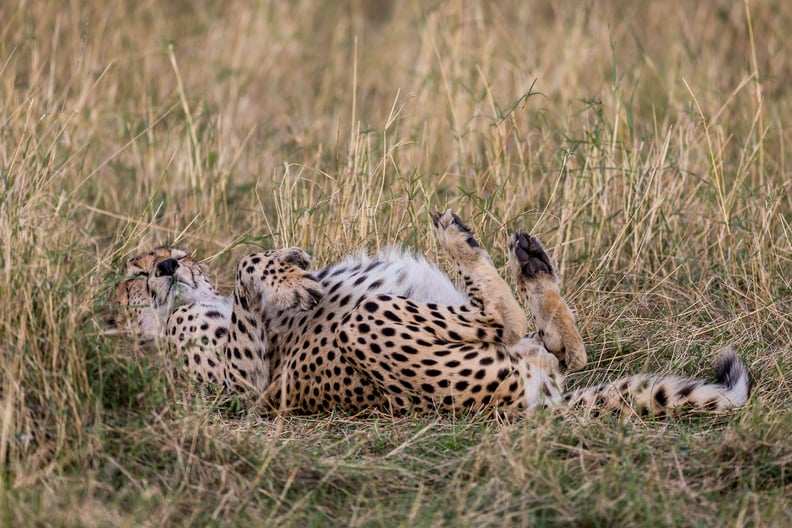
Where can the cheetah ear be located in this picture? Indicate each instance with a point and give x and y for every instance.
(297, 257)
(132, 267)
(204, 267)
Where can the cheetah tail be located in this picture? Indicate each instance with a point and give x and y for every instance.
(656, 395)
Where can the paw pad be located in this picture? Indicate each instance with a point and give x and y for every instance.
(531, 255)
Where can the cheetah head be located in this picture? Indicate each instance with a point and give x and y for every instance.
(155, 284)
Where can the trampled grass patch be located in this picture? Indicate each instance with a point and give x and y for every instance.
(645, 143)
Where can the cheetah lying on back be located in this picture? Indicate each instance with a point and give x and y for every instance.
(392, 332)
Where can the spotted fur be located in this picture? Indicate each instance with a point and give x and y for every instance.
(393, 332)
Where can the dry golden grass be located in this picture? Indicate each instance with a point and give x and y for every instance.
(645, 142)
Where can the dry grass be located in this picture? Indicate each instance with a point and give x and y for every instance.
(646, 143)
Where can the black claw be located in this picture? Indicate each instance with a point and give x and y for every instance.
(297, 258)
(471, 239)
(316, 296)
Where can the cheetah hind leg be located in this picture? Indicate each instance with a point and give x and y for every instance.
(487, 290)
(536, 279)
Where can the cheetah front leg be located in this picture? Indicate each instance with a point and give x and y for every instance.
(536, 278)
(276, 279)
(487, 291)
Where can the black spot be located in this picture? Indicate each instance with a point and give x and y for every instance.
(385, 366)
(407, 349)
(392, 316)
(493, 386)
(399, 357)
(711, 405)
(685, 391)
(487, 361)
(388, 332)
(221, 333)
(660, 397)
(433, 373)
(461, 385)
(197, 359)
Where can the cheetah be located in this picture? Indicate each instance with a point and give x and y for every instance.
(393, 332)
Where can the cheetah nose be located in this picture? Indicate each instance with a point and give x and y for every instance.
(167, 267)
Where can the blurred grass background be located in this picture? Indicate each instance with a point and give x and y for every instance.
(646, 143)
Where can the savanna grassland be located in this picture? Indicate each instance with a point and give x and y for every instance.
(647, 143)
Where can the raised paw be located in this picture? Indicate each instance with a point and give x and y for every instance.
(456, 237)
(296, 289)
(536, 279)
(530, 255)
(279, 277)
(449, 221)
